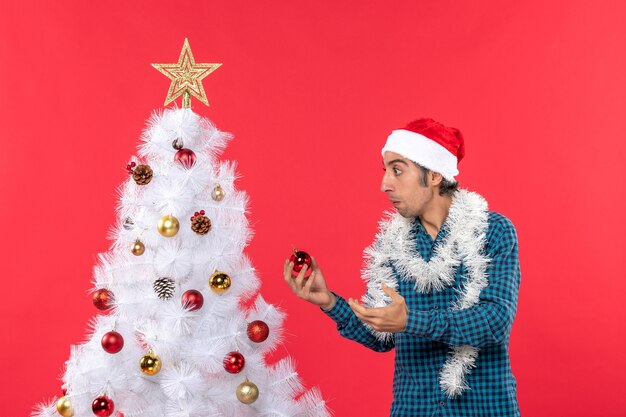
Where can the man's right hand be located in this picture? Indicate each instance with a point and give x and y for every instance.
(312, 289)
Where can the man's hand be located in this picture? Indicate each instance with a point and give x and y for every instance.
(391, 318)
(312, 289)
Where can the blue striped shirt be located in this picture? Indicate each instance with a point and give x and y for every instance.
(432, 327)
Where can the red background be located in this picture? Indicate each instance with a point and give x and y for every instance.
(311, 92)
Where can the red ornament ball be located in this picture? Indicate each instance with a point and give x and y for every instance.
(299, 259)
(234, 362)
(186, 157)
(258, 331)
(112, 342)
(103, 406)
(193, 300)
(103, 299)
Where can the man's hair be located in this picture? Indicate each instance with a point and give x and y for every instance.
(445, 188)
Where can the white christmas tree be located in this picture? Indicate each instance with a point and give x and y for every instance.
(175, 340)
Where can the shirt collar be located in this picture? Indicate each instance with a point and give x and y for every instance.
(443, 232)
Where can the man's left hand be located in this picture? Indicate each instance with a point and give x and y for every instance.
(391, 318)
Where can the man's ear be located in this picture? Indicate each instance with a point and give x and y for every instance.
(435, 178)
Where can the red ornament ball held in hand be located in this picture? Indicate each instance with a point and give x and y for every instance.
(299, 259)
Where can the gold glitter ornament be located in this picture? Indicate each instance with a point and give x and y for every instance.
(218, 193)
(186, 76)
(138, 248)
(64, 407)
(219, 282)
(247, 392)
(168, 225)
(150, 364)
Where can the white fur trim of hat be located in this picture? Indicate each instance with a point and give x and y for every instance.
(423, 151)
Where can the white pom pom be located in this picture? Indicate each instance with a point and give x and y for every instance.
(172, 260)
(167, 196)
(182, 381)
(183, 124)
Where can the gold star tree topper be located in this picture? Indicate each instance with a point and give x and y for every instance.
(186, 76)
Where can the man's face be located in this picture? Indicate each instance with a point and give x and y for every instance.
(403, 185)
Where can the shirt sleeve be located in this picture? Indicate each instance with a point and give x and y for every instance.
(350, 327)
(489, 321)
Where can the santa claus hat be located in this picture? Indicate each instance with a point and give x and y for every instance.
(429, 144)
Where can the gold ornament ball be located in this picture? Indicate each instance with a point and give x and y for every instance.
(247, 392)
(150, 364)
(168, 225)
(218, 193)
(64, 407)
(219, 282)
(138, 248)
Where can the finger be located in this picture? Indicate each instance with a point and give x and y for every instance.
(288, 268)
(364, 319)
(286, 272)
(292, 285)
(288, 277)
(308, 284)
(360, 317)
(356, 312)
(300, 278)
(314, 264)
(391, 292)
(374, 312)
(358, 308)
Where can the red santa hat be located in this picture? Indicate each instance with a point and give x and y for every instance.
(429, 144)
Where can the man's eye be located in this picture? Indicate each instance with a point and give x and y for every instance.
(397, 171)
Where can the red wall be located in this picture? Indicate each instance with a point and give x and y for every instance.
(311, 92)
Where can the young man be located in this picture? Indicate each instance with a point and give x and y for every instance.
(442, 283)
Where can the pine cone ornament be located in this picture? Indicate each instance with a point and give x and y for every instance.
(164, 287)
(200, 223)
(142, 174)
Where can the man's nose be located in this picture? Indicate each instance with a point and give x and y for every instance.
(385, 184)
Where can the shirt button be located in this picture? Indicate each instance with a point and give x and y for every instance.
(436, 308)
(442, 403)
